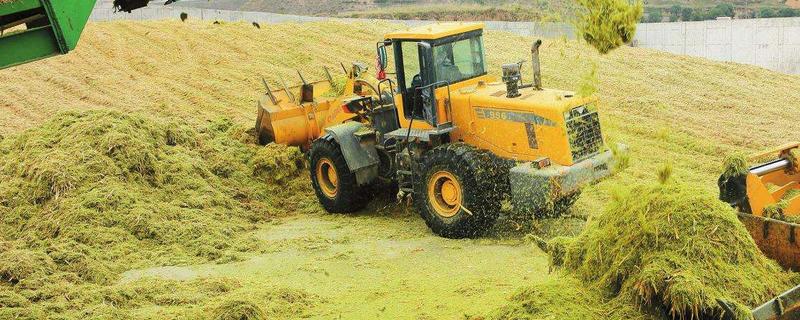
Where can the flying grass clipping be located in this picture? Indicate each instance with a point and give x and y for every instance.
(608, 24)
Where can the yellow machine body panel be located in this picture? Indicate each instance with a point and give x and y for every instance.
(526, 128)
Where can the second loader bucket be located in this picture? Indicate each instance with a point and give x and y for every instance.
(777, 239)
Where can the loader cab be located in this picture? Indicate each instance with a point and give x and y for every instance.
(432, 57)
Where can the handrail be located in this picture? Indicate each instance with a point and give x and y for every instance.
(391, 87)
(448, 104)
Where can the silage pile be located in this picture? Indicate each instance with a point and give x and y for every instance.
(88, 195)
(670, 248)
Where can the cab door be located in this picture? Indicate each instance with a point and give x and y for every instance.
(414, 71)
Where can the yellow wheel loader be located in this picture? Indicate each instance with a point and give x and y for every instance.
(450, 135)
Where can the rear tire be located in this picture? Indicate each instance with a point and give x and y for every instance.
(455, 190)
(336, 187)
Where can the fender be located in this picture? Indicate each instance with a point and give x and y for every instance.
(358, 148)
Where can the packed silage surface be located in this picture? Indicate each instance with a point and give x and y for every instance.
(88, 195)
(671, 249)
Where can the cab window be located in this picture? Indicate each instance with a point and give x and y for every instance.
(459, 60)
(410, 63)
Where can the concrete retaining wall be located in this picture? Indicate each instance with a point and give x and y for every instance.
(770, 43)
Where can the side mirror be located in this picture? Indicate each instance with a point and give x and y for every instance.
(383, 57)
(383, 61)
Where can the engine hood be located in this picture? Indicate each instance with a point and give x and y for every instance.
(551, 101)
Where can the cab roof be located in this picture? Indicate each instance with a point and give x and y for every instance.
(434, 31)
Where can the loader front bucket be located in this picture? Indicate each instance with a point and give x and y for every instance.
(777, 239)
(297, 115)
(37, 29)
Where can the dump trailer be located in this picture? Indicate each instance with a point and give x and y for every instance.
(454, 138)
(36, 29)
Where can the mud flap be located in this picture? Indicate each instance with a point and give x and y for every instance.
(358, 150)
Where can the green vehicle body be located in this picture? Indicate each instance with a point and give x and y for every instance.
(53, 28)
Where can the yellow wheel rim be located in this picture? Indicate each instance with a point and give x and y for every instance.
(327, 177)
(445, 194)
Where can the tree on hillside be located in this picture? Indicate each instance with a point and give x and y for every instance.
(788, 12)
(767, 13)
(721, 10)
(687, 14)
(675, 12)
(655, 16)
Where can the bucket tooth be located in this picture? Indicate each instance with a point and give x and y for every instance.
(328, 74)
(286, 88)
(269, 92)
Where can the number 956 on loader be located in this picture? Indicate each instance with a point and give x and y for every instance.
(457, 140)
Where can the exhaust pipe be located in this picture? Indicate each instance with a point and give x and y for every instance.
(537, 69)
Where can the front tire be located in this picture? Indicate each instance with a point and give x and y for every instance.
(454, 191)
(335, 186)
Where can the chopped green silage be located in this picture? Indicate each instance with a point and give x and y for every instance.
(672, 248)
(589, 82)
(735, 165)
(664, 173)
(337, 86)
(608, 24)
(237, 309)
(776, 211)
(88, 195)
(564, 297)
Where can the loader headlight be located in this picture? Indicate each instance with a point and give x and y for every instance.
(541, 163)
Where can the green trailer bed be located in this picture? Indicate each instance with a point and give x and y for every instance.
(36, 29)
(40, 28)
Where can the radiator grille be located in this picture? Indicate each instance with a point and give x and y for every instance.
(585, 137)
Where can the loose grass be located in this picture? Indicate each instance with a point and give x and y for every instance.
(608, 24)
(735, 165)
(238, 309)
(669, 247)
(88, 195)
(563, 297)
